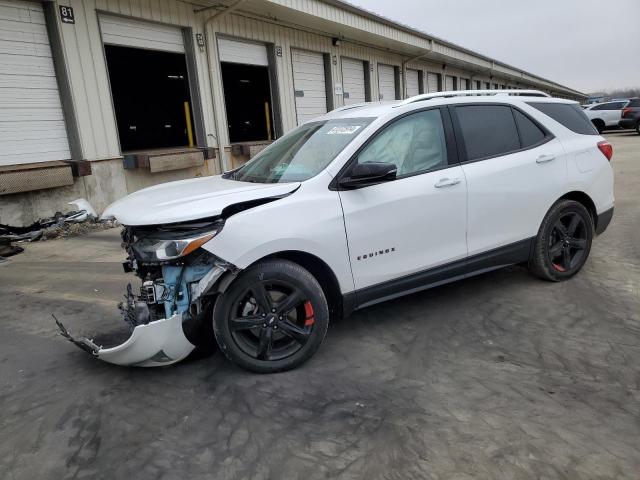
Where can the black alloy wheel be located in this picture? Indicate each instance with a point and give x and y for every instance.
(272, 318)
(563, 242)
(567, 241)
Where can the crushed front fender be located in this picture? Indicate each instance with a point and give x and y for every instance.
(161, 342)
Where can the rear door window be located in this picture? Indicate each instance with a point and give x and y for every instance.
(487, 130)
(568, 114)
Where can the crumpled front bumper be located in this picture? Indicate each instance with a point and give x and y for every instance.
(161, 342)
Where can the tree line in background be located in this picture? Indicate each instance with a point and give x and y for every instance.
(618, 93)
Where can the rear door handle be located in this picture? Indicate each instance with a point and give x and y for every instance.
(447, 182)
(545, 159)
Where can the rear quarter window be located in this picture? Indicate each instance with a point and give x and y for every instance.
(569, 115)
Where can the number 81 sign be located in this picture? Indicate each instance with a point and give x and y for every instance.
(66, 14)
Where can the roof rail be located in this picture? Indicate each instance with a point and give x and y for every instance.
(472, 93)
(350, 107)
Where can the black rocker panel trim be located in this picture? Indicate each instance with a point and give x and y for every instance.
(483, 262)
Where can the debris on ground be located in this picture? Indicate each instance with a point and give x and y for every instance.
(76, 222)
(6, 249)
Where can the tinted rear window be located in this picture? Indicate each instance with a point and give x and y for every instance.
(569, 115)
(634, 103)
(530, 133)
(488, 130)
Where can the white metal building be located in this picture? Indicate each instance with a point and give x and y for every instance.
(99, 98)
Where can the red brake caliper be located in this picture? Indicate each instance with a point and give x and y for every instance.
(308, 312)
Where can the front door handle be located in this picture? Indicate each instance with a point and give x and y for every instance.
(545, 159)
(447, 182)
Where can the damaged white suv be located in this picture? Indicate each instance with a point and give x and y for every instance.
(364, 204)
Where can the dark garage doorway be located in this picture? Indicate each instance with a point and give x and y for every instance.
(247, 96)
(151, 97)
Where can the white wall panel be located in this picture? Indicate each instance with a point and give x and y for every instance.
(309, 84)
(432, 82)
(353, 81)
(413, 82)
(248, 53)
(386, 82)
(32, 127)
(130, 32)
(449, 83)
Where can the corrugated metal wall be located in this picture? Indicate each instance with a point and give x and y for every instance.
(244, 26)
(85, 60)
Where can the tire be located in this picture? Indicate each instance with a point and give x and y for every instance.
(562, 247)
(255, 326)
(638, 128)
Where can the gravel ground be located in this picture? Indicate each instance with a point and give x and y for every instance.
(499, 376)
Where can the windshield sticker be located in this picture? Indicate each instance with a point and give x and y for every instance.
(344, 130)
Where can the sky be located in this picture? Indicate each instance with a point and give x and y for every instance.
(588, 45)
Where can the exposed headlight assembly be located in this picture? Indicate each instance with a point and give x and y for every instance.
(160, 250)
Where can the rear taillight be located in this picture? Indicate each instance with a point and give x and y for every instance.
(606, 149)
(625, 111)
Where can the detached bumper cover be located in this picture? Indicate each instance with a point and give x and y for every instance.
(158, 343)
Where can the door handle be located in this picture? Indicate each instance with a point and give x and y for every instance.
(447, 182)
(545, 159)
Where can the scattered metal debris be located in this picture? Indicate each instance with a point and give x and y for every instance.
(75, 222)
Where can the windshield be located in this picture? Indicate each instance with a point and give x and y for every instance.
(302, 153)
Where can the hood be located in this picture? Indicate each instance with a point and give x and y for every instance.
(192, 199)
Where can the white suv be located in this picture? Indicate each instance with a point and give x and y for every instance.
(606, 115)
(367, 203)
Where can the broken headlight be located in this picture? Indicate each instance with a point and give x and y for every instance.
(161, 250)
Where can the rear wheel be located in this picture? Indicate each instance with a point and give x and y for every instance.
(563, 242)
(272, 318)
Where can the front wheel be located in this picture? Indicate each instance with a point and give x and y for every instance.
(563, 242)
(272, 318)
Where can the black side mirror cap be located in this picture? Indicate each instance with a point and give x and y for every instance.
(368, 173)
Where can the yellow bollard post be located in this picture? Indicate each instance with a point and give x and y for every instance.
(268, 119)
(187, 116)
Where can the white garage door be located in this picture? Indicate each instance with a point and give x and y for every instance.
(32, 127)
(449, 83)
(309, 84)
(353, 85)
(386, 82)
(413, 83)
(432, 82)
(140, 34)
(247, 53)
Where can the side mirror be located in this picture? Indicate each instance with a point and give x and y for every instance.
(369, 173)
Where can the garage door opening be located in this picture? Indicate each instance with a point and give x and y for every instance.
(249, 89)
(247, 96)
(151, 98)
